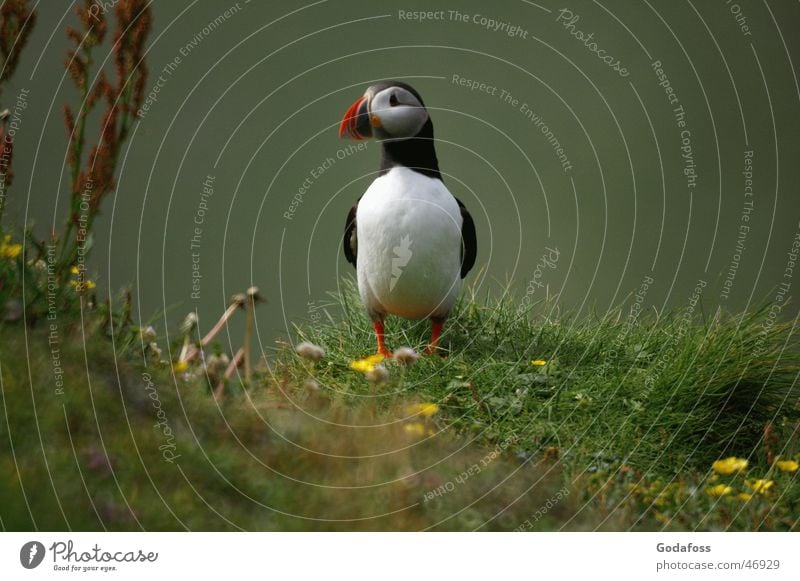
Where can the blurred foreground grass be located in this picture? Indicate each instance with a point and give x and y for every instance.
(540, 422)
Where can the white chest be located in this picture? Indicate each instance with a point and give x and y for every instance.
(409, 245)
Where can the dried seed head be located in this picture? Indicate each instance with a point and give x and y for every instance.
(253, 294)
(309, 351)
(155, 350)
(406, 355)
(216, 364)
(377, 375)
(189, 323)
(147, 334)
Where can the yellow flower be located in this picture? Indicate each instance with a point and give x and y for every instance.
(10, 251)
(759, 486)
(418, 429)
(729, 465)
(744, 496)
(424, 409)
(719, 490)
(180, 366)
(366, 364)
(74, 270)
(787, 465)
(87, 284)
(415, 429)
(538, 362)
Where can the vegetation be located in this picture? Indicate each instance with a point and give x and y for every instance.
(124, 447)
(534, 420)
(632, 410)
(530, 423)
(45, 276)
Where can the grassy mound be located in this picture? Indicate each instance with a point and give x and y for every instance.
(661, 393)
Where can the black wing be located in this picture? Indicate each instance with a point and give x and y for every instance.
(350, 241)
(469, 240)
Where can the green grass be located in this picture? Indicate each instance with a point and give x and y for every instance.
(617, 431)
(664, 393)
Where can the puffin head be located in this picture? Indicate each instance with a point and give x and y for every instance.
(389, 110)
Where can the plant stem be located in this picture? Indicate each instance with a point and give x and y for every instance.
(194, 350)
(248, 331)
(235, 362)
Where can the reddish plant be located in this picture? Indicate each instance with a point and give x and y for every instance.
(6, 154)
(16, 22)
(93, 178)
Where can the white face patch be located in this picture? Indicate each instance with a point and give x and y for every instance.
(400, 114)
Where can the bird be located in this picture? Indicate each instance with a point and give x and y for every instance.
(410, 240)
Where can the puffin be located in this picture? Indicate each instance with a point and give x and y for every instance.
(410, 240)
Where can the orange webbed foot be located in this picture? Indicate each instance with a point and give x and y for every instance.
(436, 332)
(382, 349)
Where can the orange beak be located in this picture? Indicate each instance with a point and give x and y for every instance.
(353, 118)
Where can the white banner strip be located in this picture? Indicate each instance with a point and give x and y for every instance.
(401, 556)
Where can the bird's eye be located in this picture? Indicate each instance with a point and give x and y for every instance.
(392, 100)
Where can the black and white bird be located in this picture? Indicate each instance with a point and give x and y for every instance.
(409, 238)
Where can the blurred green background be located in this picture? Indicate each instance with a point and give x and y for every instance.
(259, 89)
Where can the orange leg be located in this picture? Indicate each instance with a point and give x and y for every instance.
(436, 331)
(378, 326)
